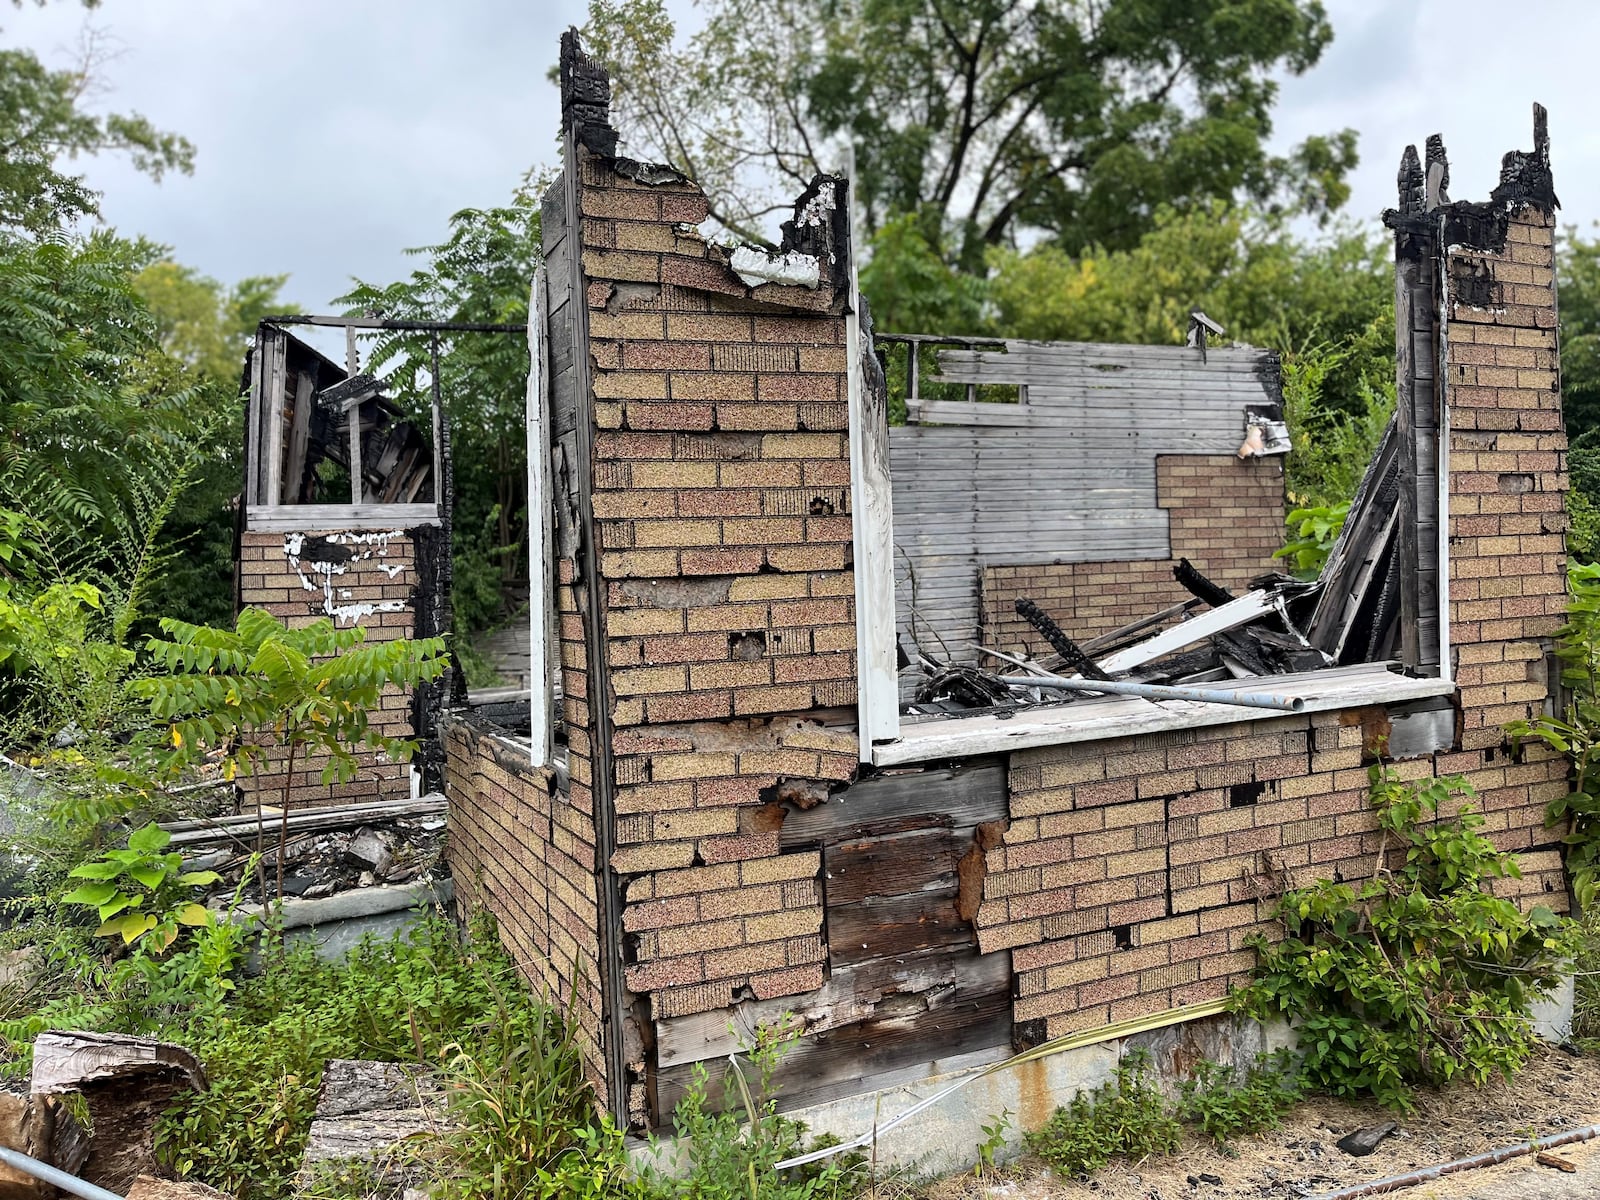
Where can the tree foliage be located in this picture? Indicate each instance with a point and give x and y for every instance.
(985, 119)
(481, 273)
(43, 121)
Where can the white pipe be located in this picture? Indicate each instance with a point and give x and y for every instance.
(1158, 691)
(53, 1175)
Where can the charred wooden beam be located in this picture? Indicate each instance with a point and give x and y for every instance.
(1074, 658)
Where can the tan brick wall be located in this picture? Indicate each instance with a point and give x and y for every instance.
(722, 504)
(1508, 480)
(1134, 870)
(285, 574)
(1226, 517)
(526, 853)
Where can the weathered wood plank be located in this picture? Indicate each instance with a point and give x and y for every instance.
(905, 1038)
(906, 863)
(1092, 720)
(944, 798)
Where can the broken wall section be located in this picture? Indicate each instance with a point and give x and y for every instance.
(1224, 515)
(721, 510)
(393, 583)
(1133, 871)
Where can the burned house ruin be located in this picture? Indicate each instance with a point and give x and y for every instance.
(814, 726)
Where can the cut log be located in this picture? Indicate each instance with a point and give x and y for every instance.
(127, 1082)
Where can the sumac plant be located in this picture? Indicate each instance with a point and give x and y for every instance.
(307, 691)
(1416, 974)
(1576, 733)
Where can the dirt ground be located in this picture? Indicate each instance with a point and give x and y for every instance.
(1555, 1092)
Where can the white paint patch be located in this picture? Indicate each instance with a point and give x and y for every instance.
(317, 576)
(756, 267)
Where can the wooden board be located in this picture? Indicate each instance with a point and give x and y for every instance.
(935, 740)
(907, 989)
(909, 1037)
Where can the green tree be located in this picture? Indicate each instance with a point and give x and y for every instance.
(1578, 282)
(305, 691)
(481, 274)
(42, 122)
(206, 326)
(987, 119)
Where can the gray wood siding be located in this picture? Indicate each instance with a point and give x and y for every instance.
(1068, 475)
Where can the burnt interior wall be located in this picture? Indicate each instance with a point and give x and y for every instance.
(387, 582)
(1225, 516)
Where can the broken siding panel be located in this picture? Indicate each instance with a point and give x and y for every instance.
(1069, 476)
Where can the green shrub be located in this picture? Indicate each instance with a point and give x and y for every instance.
(429, 999)
(731, 1153)
(1127, 1115)
(1417, 974)
(1576, 733)
(1226, 1106)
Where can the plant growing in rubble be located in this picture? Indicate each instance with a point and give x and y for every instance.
(1126, 1115)
(1416, 974)
(1576, 733)
(233, 693)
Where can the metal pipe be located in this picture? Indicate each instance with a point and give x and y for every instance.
(385, 323)
(1489, 1158)
(53, 1175)
(1158, 691)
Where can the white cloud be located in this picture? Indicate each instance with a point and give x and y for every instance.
(332, 136)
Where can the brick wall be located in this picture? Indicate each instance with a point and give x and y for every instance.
(1225, 516)
(1133, 870)
(524, 852)
(722, 509)
(369, 579)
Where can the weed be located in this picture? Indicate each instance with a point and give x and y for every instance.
(1418, 973)
(1126, 1116)
(732, 1153)
(994, 1140)
(1226, 1106)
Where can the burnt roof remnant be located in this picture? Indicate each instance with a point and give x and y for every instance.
(1425, 210)
(586, 98)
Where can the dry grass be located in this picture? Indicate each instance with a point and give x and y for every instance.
(1554, 1092)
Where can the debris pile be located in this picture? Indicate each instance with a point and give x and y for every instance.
(328, 850)
(1350, 614)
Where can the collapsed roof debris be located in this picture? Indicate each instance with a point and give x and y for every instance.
(1280, 626)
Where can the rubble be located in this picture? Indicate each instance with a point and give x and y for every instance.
(329, 850)
(1280, 626)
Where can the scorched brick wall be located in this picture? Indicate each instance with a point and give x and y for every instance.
(363, 578)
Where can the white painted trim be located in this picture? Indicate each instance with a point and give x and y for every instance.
(1441, 377)
(286, 518)
(872, 528)
(541, 588)
(1112, 717)
(1249, 607)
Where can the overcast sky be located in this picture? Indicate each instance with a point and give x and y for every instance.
(332, 134)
